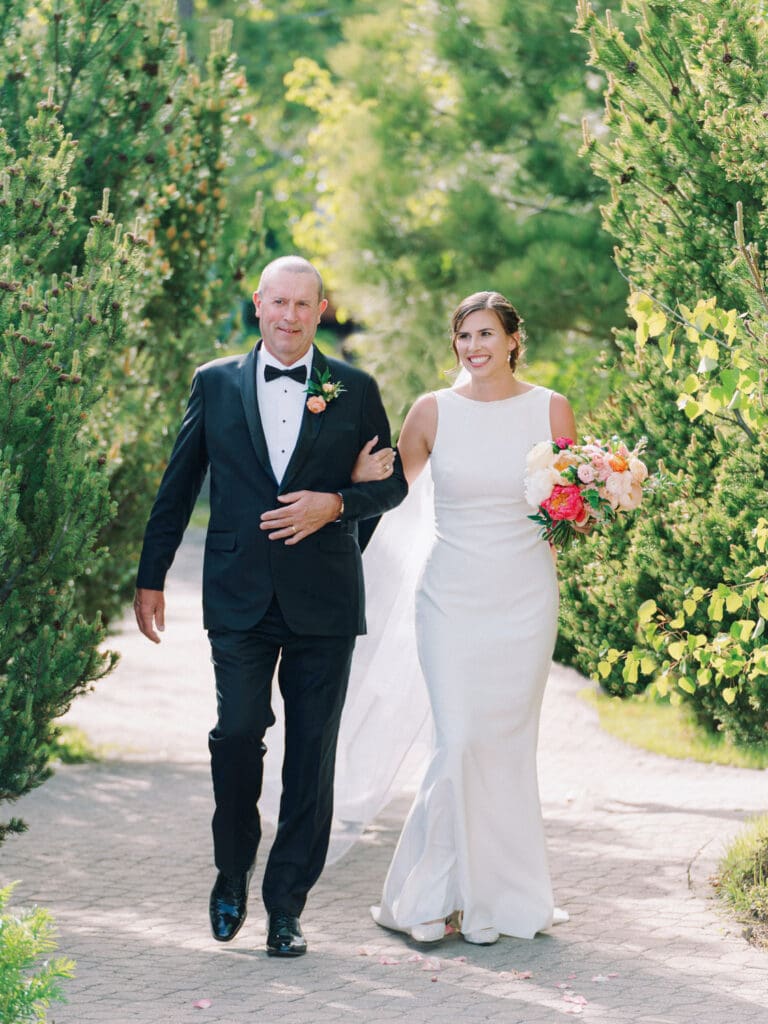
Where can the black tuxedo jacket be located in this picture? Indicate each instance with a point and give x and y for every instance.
(319, 581)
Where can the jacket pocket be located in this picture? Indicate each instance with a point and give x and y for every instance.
(219, 540)
(337, 541)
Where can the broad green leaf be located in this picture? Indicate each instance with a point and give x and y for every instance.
(733, 602)
(692, 409)
(604, 669)
(646, 611)
(690, 606)
(629, 675)
(657, 321)
(677, 649)
(662, 685)
(728, 695)
(686, 684)
(710, 403)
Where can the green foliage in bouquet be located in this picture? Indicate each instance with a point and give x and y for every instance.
(29, 981)
(444, 161)
(685, 159)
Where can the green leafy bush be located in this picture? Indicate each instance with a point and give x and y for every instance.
(685, 158)
(28, 986)
(100, 325)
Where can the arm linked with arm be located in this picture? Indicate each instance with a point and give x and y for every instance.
(371, 499)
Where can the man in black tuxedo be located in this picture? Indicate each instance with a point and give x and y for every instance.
(282, 578)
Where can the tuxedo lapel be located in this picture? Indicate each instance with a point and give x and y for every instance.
(311, 423)
(251, 409)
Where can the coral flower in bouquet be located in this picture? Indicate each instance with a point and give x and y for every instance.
(575, 486)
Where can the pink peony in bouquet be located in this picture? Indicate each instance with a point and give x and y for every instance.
(574, 485)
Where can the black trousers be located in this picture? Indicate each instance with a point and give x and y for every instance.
(313, 676)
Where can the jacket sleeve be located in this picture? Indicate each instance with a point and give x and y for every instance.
(368, 500)
(177, 494)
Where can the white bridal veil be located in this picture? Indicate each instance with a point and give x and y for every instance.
(386, 726)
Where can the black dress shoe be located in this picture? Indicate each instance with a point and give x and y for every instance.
(228, 904)
(284, 937)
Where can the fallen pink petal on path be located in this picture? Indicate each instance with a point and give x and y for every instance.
(364, 951)
(388, 961)
(414, 958)
(203, 1004)
(516, 975)
(600, 977)
(458, 960)
(577, 1000)
(432, 964)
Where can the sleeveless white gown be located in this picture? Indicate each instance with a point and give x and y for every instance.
(486, 620)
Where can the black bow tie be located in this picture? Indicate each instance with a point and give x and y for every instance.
(298, 373)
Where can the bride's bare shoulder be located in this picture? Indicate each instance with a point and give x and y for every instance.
(421, 421)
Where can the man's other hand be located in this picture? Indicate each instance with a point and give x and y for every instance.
(149, 607)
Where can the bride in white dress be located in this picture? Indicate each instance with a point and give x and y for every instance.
(486, 618)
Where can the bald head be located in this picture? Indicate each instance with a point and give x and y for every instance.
(291, 265)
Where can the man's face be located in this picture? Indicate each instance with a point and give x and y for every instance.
(289, 311)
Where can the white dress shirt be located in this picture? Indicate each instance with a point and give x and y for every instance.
(281, 405)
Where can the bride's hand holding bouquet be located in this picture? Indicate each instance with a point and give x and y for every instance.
(575, 487)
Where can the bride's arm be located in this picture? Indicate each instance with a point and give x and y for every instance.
(562, 422)
(414, 446)
(418, 436)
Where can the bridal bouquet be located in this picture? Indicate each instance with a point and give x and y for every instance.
(573, 485)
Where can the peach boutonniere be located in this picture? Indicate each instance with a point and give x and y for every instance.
(322, 391)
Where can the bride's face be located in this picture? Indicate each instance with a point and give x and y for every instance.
(482, 345)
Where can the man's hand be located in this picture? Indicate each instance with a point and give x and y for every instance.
(302, 513)
(149, 607)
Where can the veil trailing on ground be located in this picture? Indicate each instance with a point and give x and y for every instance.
(386, 727)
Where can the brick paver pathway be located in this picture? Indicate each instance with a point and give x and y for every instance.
(120, 853)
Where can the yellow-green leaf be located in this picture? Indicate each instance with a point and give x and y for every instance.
(604, 669)
(646, 611)
(729, 695)
(677, 649)
(689, 606)
(733, 602)
(686, 684)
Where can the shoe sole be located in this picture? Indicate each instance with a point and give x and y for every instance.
(285, 952)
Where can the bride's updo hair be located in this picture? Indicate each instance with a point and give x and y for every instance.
(510, 320)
